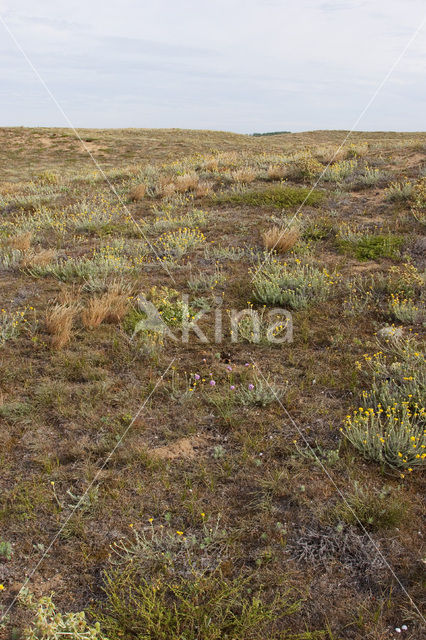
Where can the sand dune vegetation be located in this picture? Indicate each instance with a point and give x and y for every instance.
(212, 393)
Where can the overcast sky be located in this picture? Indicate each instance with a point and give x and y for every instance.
(235, 65)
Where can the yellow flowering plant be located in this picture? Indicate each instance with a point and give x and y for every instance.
(398, 372)
(394, 435)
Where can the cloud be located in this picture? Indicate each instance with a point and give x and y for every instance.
(233, 64)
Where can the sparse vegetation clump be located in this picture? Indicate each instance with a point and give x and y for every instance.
(295, 284)
(176, 244)
(390, 425)
(206, 606)
(49, 624)
(394, 435)
(339, 171)
(405, 309)
(306, 167)
(280, 240)
(371, 508)
(277, 197)
(59, 321)
(400, 191)
(5, 550)
(11, 324)
(370, 246)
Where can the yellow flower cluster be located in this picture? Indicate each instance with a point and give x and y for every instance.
(11, 323)
(177, 243)
(404, 309)
(394, 434)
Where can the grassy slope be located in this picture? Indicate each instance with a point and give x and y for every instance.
(63, 410)
(26, 151)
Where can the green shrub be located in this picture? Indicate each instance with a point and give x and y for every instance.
(206, 606)
(389, 425)
(371, 508)
(5, 550)
(279, 197)
(372, 246)
(49, 624)
(394, 435)
(305, 167)
(295, 285)
(418, 208)
(397, 376)
(400, 191)
(97, 216)
(107, 260)
(166, 221)
(160, 309)
(259, 326)
(235, 254)
(318, 229)
(207, 281)
(368, 177)
(176, 243)
(260, 392)
(11, 323)
(47, 177)
(338, 171)
(405, 280)
(10, 258)
(359, 296)
(405, 310)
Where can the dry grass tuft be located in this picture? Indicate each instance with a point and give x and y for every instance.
(167, 189)
(244, 176)
(59, 321)
(95, 313)
(277, 172)
(112, 306)
(7, 188)
(22, 242)
(330, 153)
(40, 259)
(202, 190)
(137, 193)
(186, 182)
(211, 164)
(281, 240)
(117, 299)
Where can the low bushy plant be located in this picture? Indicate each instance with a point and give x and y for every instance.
(397, 373)
(405, 309)
(49, 624)
(260, 392)
(400, 191)
(5, 550)
(373, 509)
(177, 243)
(278, 197)
(207, 606)
(11, 324)
(371, 246)
(295, 285)
(394, 435)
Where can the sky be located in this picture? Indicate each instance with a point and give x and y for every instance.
(234, 65)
